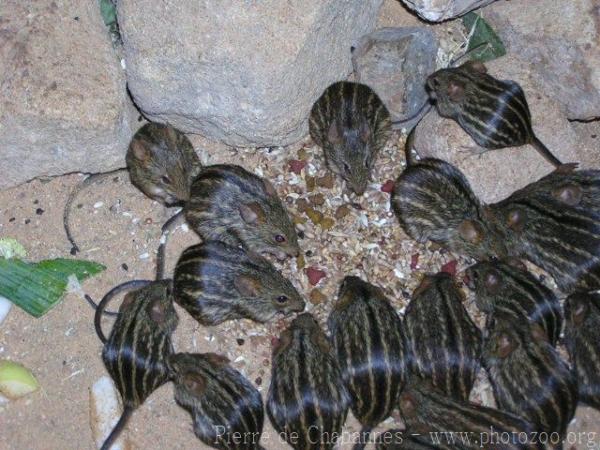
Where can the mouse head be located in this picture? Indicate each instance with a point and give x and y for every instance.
(268, 226)
(162, 163)
(351, 152)
(353, 289)
(487, 281)
(265, 292)
(450, 88)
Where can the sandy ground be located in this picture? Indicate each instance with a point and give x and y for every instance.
(118, 227)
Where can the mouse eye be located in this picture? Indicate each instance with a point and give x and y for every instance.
(165, 179)
(279, 238)
(282, 299)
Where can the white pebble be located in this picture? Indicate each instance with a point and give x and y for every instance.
(145, 255)
(5, 306)
(185, 228)
(98, 205)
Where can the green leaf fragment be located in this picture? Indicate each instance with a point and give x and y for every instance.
(109, 12)
(484, 43)
(15, 380)
(38, 287)
(11, 248)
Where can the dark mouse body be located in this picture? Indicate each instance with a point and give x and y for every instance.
(444, 344)
(501, 286)
(555, 223)
(216, 282)
(493, 112)
(582, 339)
(229, 204)
(434, 201)
(307, 401)
(161, 163)
(527, 374)
(369, 341)
(227, 410)
(351, 124)
(137, 349)
(424, 411)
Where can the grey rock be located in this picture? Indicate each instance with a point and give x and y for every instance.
(440, 10)
(395, 63)
(63, 103)
(243, 72)
(562, 40)
(495, 174)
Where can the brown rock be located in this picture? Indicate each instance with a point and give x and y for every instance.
(342, 211)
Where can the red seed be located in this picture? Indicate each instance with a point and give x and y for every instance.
(450, 267)
(414, 261)
(314, 275)
(296, 166)
(388, 186)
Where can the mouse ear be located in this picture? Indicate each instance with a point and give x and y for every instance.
(157, 311)
(456, 91)
(246, 285)
(195, 383)
(333, 135)
(470, 231)
(171, 136)
(216, 360)
(269, 189)
(408, 405)
(505, 345)
(139, 150)
(538, 333)
(515, 219)
(127, 301)
(570, 194)
(492, 281)
(252, 213)
(579, 311)
(476, 65)
(284, 341)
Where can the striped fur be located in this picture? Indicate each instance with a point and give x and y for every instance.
(138, 346)
(555, 223)
(227, 410)
(162, 163)
(426, 411)
(527, 374)
(434, 201)
(500, 286)
(444, 344)
(369, 341)
(307, 401)
(215, 282)
(493, 112)
(582, 339)
(228, 203)
(352, 125)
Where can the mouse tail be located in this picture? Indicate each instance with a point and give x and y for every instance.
(365, 434)
(118, 429)
(73, 195)
(423, 109)
(541, 148)
(123, 287)
(167, 229)
(408, 148)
